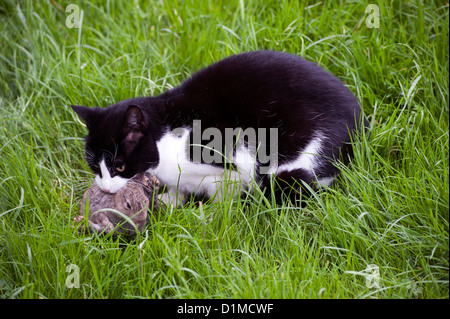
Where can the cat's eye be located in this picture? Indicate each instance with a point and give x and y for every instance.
(120, 168)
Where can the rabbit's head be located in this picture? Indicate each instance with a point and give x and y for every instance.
(134, 200)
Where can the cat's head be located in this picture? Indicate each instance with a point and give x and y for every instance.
(119, 144)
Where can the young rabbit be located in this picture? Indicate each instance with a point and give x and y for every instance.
(134, 201)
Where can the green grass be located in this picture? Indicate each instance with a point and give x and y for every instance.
(390, 206)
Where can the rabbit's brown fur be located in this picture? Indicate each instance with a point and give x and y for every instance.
(134, 200)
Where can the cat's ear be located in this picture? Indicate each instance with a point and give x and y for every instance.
(134, 127)
(134, 118)
(88, 114)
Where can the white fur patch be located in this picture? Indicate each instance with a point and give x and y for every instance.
(180, 174)
(108, 183)
(245, 161)
(308, 159)
(326, 181)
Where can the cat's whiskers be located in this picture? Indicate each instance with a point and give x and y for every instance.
(90, 158)
(116, 147)
(109, 154)
(89, 152)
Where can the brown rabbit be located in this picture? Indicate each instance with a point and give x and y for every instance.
(134, 200)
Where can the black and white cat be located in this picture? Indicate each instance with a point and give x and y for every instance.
(259, 118)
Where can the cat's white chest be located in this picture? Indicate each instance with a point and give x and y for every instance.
(176, 171)
(173, 156)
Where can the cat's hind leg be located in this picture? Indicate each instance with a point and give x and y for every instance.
(289, 185)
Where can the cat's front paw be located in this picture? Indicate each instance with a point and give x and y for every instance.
(172, 199)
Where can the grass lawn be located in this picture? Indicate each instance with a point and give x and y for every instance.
(388, 211)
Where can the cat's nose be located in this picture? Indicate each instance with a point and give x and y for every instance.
(107, 190)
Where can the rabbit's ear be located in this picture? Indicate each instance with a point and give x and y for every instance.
(146, 179)
(148, 187)
(151, 180)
